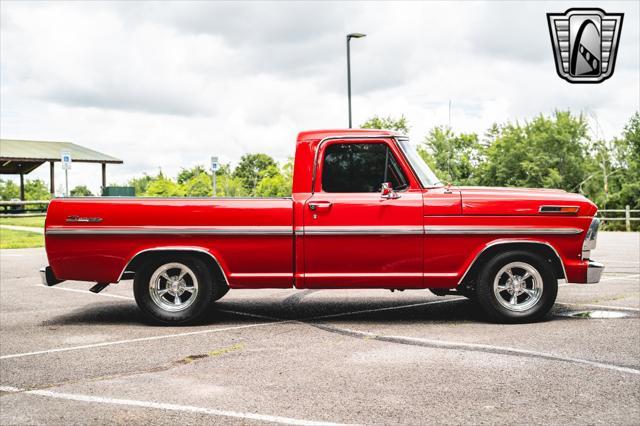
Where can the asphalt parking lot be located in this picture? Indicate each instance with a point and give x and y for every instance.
(68, 356)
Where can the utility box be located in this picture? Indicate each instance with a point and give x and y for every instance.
(119, 191)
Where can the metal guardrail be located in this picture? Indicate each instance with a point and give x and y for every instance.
(627, 216)
(23, 203)
(19, 208)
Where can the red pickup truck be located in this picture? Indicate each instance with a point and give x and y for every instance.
(366, 212)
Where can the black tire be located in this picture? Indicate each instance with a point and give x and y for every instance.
(530, 306)
(208, 290)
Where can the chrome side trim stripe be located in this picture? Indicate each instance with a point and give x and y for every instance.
(440, 274)
(362, 230)
(309, 230)
(170, 230)
(499, 230)
(263, 275)
(366, 275)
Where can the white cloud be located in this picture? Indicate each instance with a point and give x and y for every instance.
(169, 84)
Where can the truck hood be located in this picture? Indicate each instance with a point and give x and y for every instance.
(477, 200)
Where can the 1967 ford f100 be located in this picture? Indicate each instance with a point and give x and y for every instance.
(366, 212)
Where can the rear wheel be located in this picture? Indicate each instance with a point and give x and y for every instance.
(176, 290)
(516, 287)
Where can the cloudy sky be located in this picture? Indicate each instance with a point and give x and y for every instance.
(167, 85)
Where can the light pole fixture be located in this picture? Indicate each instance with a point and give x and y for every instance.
(349, 37)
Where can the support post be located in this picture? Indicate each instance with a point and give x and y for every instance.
(52, 185)
(21, 187)
(214, 184)
(349, 77)
(627, 217)
(104, 177)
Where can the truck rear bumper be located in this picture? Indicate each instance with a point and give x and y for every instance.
(47, 277)
(594, 272)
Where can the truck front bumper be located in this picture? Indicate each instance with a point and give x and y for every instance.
(594, 272)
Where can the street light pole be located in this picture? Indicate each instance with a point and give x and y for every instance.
(349, 37)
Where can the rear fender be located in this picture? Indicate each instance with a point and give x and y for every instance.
(138, 258)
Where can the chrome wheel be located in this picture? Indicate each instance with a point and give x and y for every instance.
(173, 287)
(518, 286)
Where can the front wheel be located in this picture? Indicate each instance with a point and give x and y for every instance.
(174, 291)
(517, 287)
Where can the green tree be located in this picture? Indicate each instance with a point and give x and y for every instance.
(276, 183)
(199, 185)
(141, 184)
(9, 190)
(81, 191)
(224, 170)
(453, 158)
(186, 174)
(400, 125)
(229, 186)
(548, 152)
(629, 193)
(614, 179)
(252, 169)
(36, 189)
(164, 187)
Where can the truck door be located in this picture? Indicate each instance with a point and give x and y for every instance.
(354, 235)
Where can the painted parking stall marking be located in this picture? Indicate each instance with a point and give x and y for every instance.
(141, 339)
(165, 406)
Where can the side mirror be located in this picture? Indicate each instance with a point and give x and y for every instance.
(388, 192)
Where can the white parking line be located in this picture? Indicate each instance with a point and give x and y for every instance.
(76, 290)
(207, 331)
(607, 278)
(502, 350)
(590, 305)
(273, 320)
(621, 278)
(140, 339)
(165, 406)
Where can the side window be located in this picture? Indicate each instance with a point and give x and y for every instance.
(360, 167)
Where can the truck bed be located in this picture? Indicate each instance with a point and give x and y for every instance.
(95, 238)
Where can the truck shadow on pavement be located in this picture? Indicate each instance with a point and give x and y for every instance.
(239, 311)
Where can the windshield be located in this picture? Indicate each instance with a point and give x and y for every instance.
(426, 176)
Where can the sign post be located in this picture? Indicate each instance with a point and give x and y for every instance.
(214, 169)
(65, 159)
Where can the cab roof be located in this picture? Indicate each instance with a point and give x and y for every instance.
(322, 134)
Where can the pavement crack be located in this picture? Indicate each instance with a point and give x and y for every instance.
(157, 369)
(472, 347)
(217, 352)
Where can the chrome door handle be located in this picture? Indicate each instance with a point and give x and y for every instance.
(319, 205)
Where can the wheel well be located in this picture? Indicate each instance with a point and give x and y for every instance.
(543, 250)
(141, 258)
